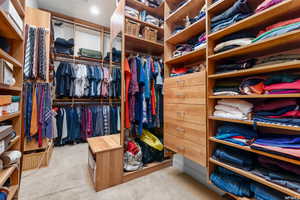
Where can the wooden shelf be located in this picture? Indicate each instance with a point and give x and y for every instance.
(250, 122)
(10, 88)
(6, 173)
(80, 58)
(256, 178)
(160, 30)
(10, 59)
(184, 10)
(220, 6)
(157, 12)
(247, 148)
(8, 28)
(297, 95)
(261, 46)
(189, 32)
(12, 192)
(151, 167)
(134, 43)
(85, 100)
(258, 19)
(191, 56)
(258, 70)
(18, 6)
(7, 117)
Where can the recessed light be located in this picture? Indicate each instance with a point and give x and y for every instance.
(94, 10)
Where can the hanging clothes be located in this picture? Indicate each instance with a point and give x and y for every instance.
(76, 124)
(144, 82)
(35, 65)
(37, 111)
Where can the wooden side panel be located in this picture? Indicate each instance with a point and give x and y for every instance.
(108, 170)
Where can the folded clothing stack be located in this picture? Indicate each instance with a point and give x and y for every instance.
(233, 41)
(278, 172)
(282, 83)
(192, 44)
(236, 133)
(9, 104)
(284, 112)
(132, 12)
(144, 16)
(238, 11)
(284, 145)
(89, 53)
(238, 158)
(10, 158)
(278, 29)
(226, 87)
(7, 134)
(116, 56)
(64, 46)
(233, 109)
(180, 71)
(235, 184)
(272, 59)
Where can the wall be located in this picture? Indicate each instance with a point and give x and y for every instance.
(32, 3)
(193, 169)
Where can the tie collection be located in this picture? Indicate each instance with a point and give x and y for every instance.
(35, 53)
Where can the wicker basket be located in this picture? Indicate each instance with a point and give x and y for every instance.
(132, 27)
(33, 160)
(150, 34)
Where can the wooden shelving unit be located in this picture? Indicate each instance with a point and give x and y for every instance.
(112, 147)
(185, 96)
(10, 31)
(287, 41)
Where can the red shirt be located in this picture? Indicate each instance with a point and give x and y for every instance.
(127, 82)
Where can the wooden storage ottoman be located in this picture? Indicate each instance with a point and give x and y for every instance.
(105, 161)
(34, 159)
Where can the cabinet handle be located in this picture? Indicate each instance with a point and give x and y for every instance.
(181, 115)
(180, 83)
(180, 96)
(182, 130)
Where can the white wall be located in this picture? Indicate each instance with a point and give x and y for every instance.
(195, 170)
(32, 3)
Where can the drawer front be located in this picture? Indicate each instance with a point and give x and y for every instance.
(195, 152)
(186, 95)
(192, 132)
(188, 113)
(174, 143)
(192, 151)
(188, 80)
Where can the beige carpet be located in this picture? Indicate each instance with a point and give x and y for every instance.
(67, 178)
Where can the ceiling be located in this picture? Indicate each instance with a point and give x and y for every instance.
(81, 9)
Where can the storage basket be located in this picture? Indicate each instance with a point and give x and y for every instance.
(132, 27)
(150, 34)
(32, 160)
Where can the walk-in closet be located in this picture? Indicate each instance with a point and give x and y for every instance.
(149, 99)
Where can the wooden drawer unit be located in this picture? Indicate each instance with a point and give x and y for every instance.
(184, 112)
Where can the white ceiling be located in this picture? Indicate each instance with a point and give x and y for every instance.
(81, 9)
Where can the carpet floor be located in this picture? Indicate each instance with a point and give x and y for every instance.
(67, 178)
